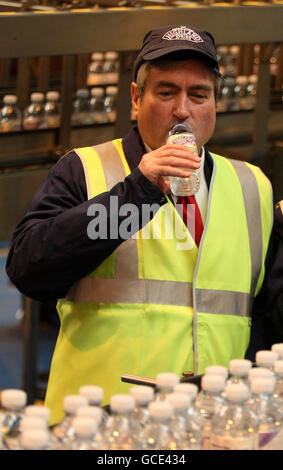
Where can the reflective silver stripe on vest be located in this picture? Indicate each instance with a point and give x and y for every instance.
(126, 287)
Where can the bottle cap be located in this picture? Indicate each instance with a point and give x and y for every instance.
(84, 426)
(32, 422)
(97, 91)
(266, 358)
(237, 392)
(278, 368)
(213, 382)
(179, 401)
(160, 409)
(94, 412)
(260, 372)
(82, 93)
(37, 411)
(52, 95)
(97, 56)
(167, 379)
(93, 393)
(72, 402)
(241, 80)
(240, 367)
(262, 385)
(142, 394)
(253, 78)
(278, 348)
(188, 388)
(111, 55)
(35, 439)
(122, 403)
(37, 97)
(217, 370)
(10, 99)
(111, 90)
(13, 399)
(235, 50)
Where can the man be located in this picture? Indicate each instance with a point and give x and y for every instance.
(139, 298)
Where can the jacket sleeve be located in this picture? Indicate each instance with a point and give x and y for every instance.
(51, 248)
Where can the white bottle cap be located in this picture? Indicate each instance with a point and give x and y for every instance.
(82, 93)
(111, 55)
(97, 56)
(260, 372)
(187, 388)
(179, 401)
(142, 394)
(218, 370)
(278, 368)
(167, 379)
(32, 422)
(72, 402)
(10, 99)
(111, 90)
(84, 426)
(236, 392)
(278, 348)
(262, 385)
(266, 358)
(93, 393)
(35, 439)
(122, 403)
(234, 50)
(37, 411)
(37, 97)
(240, 367)
(97, 91)
(253, 78)
(160, 409)
(52, 95)
(94, 412)
(213, 383)
(13, 399)
(241, 80)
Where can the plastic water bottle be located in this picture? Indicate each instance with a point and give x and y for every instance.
(143, 395)
(111, 68)
(110, 103)
(97, 108)
(278, 348)
(265, 407)
(86, 435)
(35, 439)
(34, 114)
(81, 115)
(191, 390)
(182, 134)
(235, 426)
(119, 433)
(217, 370)
(43, 413)
(13, 403)
(239, 371)
(251, 91)
(52, 109)
(257, 372)
(10, 115)
(95, 73)
(240, 92)
(165, 382)
(64, 431)
(94, 395)
(157, 434)
(186, 432)
(208, 403)
(266, 359)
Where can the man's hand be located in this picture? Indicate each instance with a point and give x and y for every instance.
(168, 160)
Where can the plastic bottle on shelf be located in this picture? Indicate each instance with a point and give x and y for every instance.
(186, 432)
(119, 433)
(157, 434)
(240, 92)
(64, 430)
(143, 395)
(235, 426)
(263, 404)
(10, 115)
(97, 108)
(251, 92)
(34, 114)
(86, 435)
(208, 403)
(165, 382)
(111, 68)
(239, 371)
(266, 359)
(94, 395)
(278, 348)
(95, 73)
(52, 109)
(13, 404)
(81, 115)
(110, 103)
(184, 135)
(226, 99)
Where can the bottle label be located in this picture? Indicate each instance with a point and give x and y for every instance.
(271, 440)
(185, 138)
(233, 443)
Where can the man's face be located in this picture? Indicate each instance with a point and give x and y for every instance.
(181, 93)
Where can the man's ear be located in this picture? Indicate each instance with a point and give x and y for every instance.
(135, 93)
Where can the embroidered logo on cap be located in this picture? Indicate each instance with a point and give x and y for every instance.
(182, 33)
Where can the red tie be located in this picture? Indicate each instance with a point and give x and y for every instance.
(192, 216)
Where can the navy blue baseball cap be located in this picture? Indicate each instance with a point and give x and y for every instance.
(166, 40)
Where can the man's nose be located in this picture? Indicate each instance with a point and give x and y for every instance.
(182, 107)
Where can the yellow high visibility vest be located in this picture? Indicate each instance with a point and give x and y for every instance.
(159, 303)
